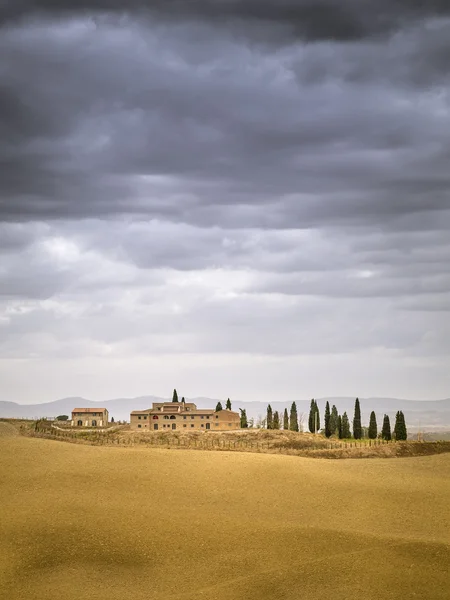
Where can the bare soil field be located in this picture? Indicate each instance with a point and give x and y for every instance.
(87, 522)
(243, 440)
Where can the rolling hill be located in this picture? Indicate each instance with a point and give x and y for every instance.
(430, 415)
(85, 522)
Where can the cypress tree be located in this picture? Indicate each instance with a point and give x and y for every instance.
(373, 430)
(244, 422)
(285, 419)
(386, 430)
(276, 420)
(175, 396)
(340, 430)
(219, 406)
(400, 427)
(357, 429)
(293, 418)
(327, 420)
(312, 410)
(182, 399)
(269, 418)
(228, 404)
(334, 418)
(317, 416)
(346, 427)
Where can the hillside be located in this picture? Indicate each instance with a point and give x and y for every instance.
(430, 415)
(85, 522)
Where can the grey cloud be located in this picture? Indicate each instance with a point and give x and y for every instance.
(153, 135)
(224, 177)
(323, 19)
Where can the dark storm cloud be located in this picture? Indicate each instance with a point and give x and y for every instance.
(304, 19)
(181, 125)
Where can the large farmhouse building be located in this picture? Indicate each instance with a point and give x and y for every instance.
(183, 416)
(89, 417)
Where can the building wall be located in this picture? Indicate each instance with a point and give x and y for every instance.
(221, 421)
(87, 419)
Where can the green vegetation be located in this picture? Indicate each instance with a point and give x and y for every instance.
(346, 435)
(400, 426)
(175, 396)
(269, 418)
(357, 428)
(276, 420)
(62, 418)
(334, 421)
(314, 417)
(327, 416)
(244, 422)
(373, 431)
(228, 404)
(285, 419)
(218, 406)
(386, 430)
(293, 418)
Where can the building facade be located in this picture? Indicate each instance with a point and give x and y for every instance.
(89, 417)
(183, 416)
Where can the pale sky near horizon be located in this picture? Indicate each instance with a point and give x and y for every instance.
(233, 198)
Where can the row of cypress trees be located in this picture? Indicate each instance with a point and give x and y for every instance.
(290, 421)
(336, 424)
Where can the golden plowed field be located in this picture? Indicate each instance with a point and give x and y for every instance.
(92, 523)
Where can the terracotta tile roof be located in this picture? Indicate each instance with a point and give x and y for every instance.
(88, 410)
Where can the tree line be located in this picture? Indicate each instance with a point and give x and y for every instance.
(339, 425)
(334, 424)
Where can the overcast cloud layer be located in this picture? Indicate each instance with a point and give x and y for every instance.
(246, 199)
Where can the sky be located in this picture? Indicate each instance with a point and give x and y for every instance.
(234, 198)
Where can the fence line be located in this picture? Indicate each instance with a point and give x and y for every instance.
(101, 438)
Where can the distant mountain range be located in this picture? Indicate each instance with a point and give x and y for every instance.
(427, 415)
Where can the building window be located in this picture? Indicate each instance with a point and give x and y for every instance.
(192, 416)
(139, 425)
(172, 417)
(230, 424)
(184, 417)
(217, 424)
(202, 425)
(166, 416)
(80, 423)
(139, 417)
(94, 423)
(192, 425)
(184, 425)
(217, 416)
(155, 416)
(207, 417)
(145, 416)
(202, 417)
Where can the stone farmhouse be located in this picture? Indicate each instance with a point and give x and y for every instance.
(183, 416)
(89, 417)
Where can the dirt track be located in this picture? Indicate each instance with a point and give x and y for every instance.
(7, 430)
